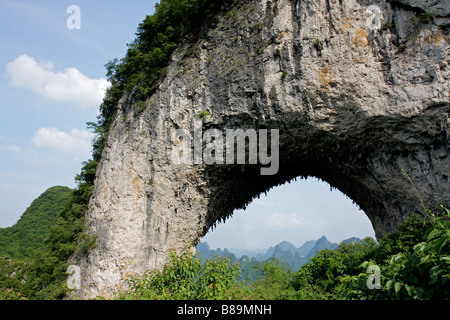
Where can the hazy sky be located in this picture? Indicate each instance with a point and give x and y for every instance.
(297, 212)
(52, 81)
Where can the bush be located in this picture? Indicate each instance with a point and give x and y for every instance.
(186, 278)
(420, 273)
(134, 76)
(320, 278)
(414, 263)
(411, 232)
(275, 282)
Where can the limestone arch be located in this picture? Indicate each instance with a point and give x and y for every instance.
(361, 108)
(363, 174)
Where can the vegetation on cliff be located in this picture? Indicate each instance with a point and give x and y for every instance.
(413, 263)
(135, 75)
(138, 73)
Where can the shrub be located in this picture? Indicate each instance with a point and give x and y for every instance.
(420, 273)
(274, 283)
(317, 43)
(202, 114)
(186, 278)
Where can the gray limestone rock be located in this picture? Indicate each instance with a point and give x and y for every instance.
(359, 91)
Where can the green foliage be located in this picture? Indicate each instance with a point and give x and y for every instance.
(408, 235)
(66, 239)
(135, 76)
(320, 277)
(274, 283)
(354, 253)
(417, 22)
(25, 240)
(401, 48)
(147, 57)
(12, 278)
(426, 16)
(413, 264)
(317, 43)
(139, 107)
(423, 17)
(323, 269)
(186, 278)
(422, 272)
(203, 114)
(386, 26)
(45, 274)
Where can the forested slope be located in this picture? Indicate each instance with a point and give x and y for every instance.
(25, 239)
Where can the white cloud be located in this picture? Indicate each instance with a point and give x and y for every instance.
(307, 222)
(285, 221)
(10, 148)
(69, 86)
(5, 146)
(75, 142)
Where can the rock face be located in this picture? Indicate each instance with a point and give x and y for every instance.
(359, 91)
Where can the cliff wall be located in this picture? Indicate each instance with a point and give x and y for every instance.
(359, 94)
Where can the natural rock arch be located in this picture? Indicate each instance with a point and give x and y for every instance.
(359, 105)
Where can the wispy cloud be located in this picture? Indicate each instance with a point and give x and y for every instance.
(69, 86)
(76, 142)
(267, 203)
(285, 221)
(262, 203)
(308, 223)
(10, 148)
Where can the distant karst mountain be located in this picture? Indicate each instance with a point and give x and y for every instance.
(285, 251)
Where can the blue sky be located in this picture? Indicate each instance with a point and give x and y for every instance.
(296, 212)
(52, 81)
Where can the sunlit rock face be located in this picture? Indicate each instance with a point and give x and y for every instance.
(359, 94)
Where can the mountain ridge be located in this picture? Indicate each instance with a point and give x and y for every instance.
(296, 257)
(25, 239)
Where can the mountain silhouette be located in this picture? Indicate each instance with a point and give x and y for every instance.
(288, 253)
